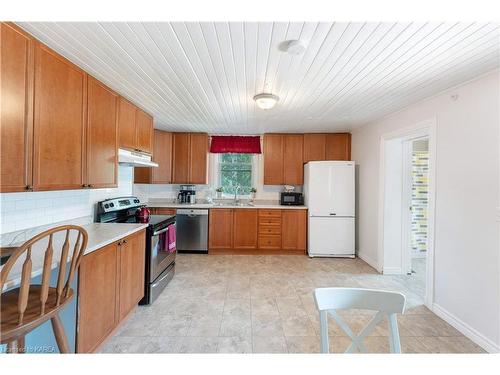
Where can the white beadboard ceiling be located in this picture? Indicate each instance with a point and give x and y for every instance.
(203, 76)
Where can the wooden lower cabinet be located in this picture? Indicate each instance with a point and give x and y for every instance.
(220, 234)
(294, 229)
(234, 231)
(131, 256)
(97, 283)
(110, 284)
(245, 223)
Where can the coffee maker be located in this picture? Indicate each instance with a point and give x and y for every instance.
(187, 194)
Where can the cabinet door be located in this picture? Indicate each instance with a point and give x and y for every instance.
(126, 124)
(293, 167)
(294, 229)
(102, 136)
(198, 152)
(314, 147)
(144, 129)
(220, 234)
(245, 228)
(131, 255)
(162, 154)
(180, 158)
(16, 119)
(273, 159)
(338, 146)
(59, 122)
(96, 298)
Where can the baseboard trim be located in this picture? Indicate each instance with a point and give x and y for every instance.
(392, 271)
(466, 330)
(371, 262)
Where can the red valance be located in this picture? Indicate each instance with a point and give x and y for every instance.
(225, 144)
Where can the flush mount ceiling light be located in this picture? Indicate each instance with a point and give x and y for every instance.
(294, 47)
(266, 101)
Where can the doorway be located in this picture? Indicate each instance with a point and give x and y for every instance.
(406, 214)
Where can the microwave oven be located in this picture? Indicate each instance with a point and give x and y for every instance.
(291, 199)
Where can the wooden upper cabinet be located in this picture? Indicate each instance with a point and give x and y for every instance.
(245, 222)
(97, 288)
(293, 167)
(59, 122)
(293, 229)
(16, 108)
(189, 158)
(102, 135)
(162, 154)
(314, 147)
(135, 127)
(131, 257)
(273, 159)
(221, 229)
(198, 157)
(144, 131)
(180, 158)
(126, 124)
(338, 146)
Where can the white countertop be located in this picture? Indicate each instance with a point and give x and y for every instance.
(99, 235)
(167, 203)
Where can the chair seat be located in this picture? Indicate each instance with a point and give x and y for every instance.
(9, 317)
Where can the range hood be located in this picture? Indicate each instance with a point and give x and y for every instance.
(135, 159)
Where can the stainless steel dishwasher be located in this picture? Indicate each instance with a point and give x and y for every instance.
(192, 231)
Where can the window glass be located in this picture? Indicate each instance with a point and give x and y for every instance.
(235, 170)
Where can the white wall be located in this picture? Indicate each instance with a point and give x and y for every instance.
(467, 199)
(27, 210)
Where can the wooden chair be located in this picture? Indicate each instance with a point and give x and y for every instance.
(328, 300)
(25, 308)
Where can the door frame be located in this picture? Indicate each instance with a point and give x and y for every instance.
(423, 128)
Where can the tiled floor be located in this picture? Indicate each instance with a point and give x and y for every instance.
(264, 304)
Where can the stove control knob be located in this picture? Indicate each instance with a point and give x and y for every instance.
(111, 205)
(106, 205)
(136, 200)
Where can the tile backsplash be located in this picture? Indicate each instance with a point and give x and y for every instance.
(27, 210)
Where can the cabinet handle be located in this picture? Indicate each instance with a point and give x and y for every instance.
(29, 187)
(124, 241)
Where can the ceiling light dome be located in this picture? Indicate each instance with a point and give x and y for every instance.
(266, 101)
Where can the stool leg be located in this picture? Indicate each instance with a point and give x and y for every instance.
(12, 347)
(61, 339)
(21, 345)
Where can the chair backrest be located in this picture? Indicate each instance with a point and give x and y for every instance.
(386, 303)
(64, 278)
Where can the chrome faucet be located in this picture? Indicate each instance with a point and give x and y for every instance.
(236, 190)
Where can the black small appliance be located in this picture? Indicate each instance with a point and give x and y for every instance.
(291, 198)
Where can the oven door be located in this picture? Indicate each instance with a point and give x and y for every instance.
(161, 258)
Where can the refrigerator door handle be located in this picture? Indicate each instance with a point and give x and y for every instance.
(332, 214)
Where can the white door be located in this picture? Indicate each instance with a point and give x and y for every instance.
(342, 189)
(330, 236)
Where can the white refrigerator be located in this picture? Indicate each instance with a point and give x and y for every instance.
(329, 190)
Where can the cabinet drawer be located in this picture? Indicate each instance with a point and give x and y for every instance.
(270, 213)
(162, 211)
(269, 220)
(269, 242)
(270, 229)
